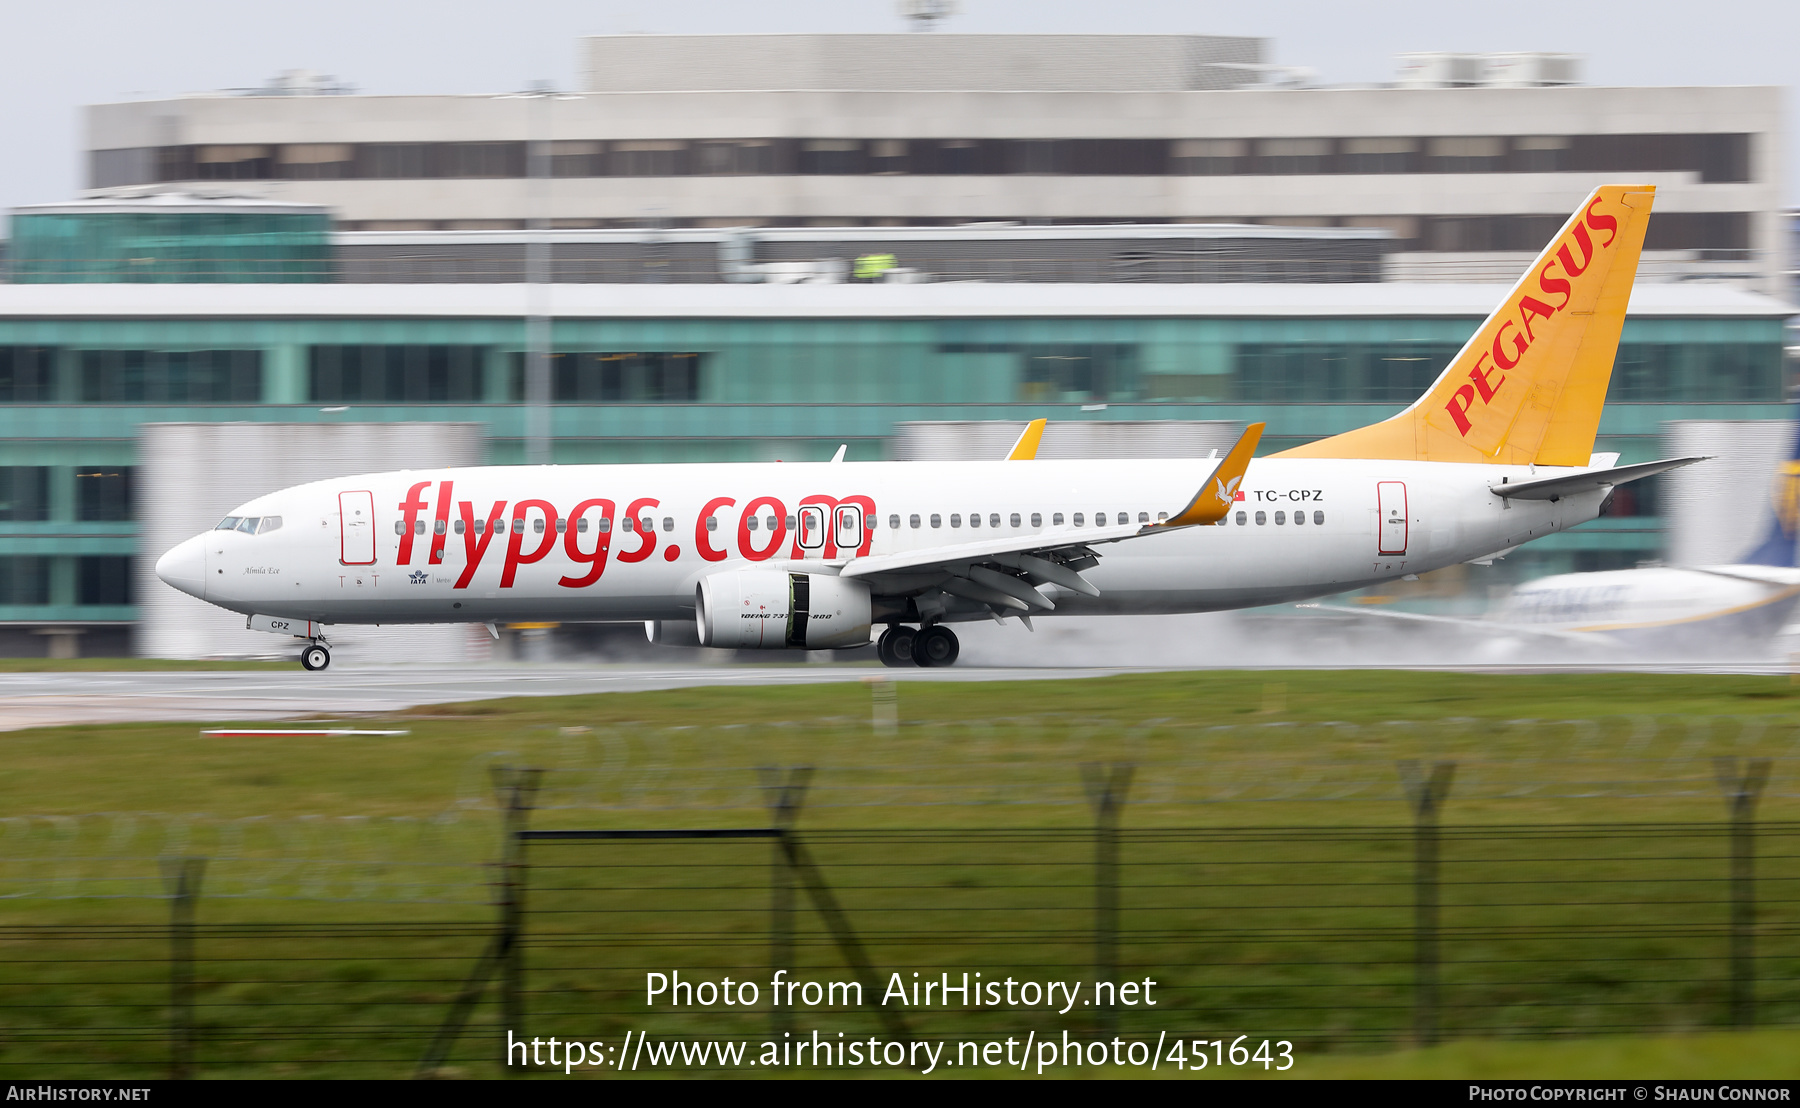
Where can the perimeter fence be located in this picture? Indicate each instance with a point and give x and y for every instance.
(1339, 887)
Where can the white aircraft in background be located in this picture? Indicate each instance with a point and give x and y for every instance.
(1498, 451)
(1656, 610)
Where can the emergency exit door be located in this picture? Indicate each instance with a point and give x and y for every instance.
(356, 526)
(1390, 497)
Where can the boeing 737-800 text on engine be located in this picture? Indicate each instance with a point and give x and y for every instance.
(1498, 452)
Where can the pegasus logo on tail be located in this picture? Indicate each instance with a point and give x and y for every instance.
(1227, 490)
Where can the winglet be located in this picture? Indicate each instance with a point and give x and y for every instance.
(1216, 496)
(1027, 447)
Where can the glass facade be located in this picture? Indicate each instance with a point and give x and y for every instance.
(170, 247)
(73, 391)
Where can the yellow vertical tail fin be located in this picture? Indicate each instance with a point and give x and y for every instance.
(1529, 386)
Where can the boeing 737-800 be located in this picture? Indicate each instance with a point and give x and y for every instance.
(1498, 452)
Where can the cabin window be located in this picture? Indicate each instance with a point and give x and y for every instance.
(519, 524)
(914, 520)
(870, 521)
(994, 519)
(630, 524)
(1012, 519)
(581, 526)
(712, 523)
(537, 525)
(668, 523)
(460, 527)
(752, 524)
(1281, 518)
(1055, 520)
(1262, 518)
(936, 520)
(1242, 519)
(955, 519)
(894, 522)
(440, 527)
(1078, 519)
(1319, 519)
(399, 525)
(974, 519)
(1299, 518)
(1143, 517)
(605, 524)
(1037, 519)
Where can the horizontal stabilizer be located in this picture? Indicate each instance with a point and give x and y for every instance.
(1555, 488)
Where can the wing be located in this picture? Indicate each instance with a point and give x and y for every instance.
(1004, 573)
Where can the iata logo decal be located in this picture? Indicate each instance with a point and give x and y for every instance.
(417, 577)
(1515, 334)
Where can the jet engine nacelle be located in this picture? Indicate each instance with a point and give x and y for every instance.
(763, 609)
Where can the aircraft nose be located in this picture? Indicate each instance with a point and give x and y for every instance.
(184, 566)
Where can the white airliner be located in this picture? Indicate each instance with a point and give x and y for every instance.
(1498, 452)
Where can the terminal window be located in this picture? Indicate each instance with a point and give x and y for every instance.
(103, 580)
(653, 376)
(103, 493)
(24, 494)
(24, 579)
(396, 373)
(171, 376)
(27, 374)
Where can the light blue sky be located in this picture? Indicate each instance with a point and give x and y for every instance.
(60, 56)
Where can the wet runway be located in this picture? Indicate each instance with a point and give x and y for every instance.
(48, 699)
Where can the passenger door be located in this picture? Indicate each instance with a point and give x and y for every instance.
(356, 525)
(1390, 498)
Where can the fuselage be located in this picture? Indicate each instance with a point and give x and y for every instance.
(632, 542)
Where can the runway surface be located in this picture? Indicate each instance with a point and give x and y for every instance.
(50, 699)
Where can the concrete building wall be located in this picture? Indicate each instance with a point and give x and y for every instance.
(192, 474)
(938, 114)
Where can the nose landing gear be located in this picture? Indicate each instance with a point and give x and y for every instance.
(315, 656)
(931, 647)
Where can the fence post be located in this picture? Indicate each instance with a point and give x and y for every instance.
(515, 790)
(783, 792)
(181, 876)
(1426, 795)
(1741, 792)
(1106, 788)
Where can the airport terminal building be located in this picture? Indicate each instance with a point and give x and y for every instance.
(361, 271)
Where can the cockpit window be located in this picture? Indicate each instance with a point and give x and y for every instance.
(269, 523)
(229, 523)
(247, 525)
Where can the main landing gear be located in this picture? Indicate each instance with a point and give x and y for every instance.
(931, 647)
(315, 656)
